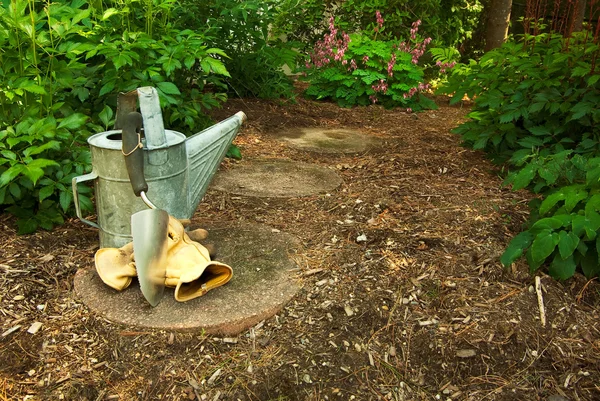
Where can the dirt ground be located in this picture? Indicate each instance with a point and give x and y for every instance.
(420, 310)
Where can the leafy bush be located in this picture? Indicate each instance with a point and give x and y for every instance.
(531, 95)
(534, 109)
(358, 70)
(450, 22)
(61, 66)
(241, 29)
(565, 230)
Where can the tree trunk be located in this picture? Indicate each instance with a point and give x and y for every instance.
(579, 15)
(497, 24)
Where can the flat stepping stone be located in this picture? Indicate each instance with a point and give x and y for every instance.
(277, 178)
(327, 140)
(262, 284)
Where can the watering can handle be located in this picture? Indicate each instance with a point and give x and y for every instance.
(82, 178)
(154, 130)
(132, 150)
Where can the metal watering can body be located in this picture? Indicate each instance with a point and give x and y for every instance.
(178, 170)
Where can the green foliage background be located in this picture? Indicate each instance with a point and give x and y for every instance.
(536, 112)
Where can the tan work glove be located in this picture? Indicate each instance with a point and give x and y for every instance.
(189, 268)
(116, 266)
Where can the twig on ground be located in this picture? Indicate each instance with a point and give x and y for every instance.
(540, 298)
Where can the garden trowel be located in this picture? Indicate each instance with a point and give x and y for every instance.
(149, 228)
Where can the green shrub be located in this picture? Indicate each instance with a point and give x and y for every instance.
(564, 230)
(531, 96)
(61, 66)
(241, 28)
(534, 110)
(356, 69)
(449, 22)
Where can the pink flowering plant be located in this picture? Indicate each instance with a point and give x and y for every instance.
(360, 69)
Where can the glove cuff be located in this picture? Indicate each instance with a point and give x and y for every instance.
(214, 275)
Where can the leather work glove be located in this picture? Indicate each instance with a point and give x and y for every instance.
(189, 268)
(116, 266)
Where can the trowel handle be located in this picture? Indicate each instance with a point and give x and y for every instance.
(133, 152)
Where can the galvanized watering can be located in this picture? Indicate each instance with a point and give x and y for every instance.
(178, 169)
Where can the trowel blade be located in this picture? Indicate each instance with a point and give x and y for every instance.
(150, 230)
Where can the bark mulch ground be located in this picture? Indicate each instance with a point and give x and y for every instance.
(404, 297)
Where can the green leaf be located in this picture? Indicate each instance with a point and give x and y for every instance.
(548, 223)
(65, 199)
(15, 190)
(234, 152)
(539, 130)
(10, 174)
(107, 88)
(589, 263)
(516, 247)
(169, 88)
(45, 192)
(33, 88)
(562, 269)
(543, 245)
(106, 115)
(551, 201)
(524, 177)
(216, 66)
(74, 121)
(573, 199)
(567, 243)
(26, 225)
(109, 13)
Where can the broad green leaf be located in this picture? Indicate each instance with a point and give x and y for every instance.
(546, 223)
(234, 152)
(214, 50)
(106, 116)
(74, 121)
(33, 88)
(578, 225)
(516, 247)
(26, 225)
(15, 190)
(65, 199)
(10, 174)
(573, 198)
(107, 88)
(539, 130)
(216, 66)
(45, 192)
(33, 173)
(523, 177)
(562, 269)
(109, 13)
(590, 264)
(36, 150)
(551, 201)
(567, 243)
(168, 88)
(543, 245)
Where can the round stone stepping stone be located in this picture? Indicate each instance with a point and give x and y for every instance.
(327, 140)
(262, 284)
(277, 178)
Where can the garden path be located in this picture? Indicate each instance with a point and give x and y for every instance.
(403, 295)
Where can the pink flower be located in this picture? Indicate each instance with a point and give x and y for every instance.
(409, 110)
(365, 59)
(391, 64)
(379, 21)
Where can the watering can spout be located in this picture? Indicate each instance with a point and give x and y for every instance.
(205, 151)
